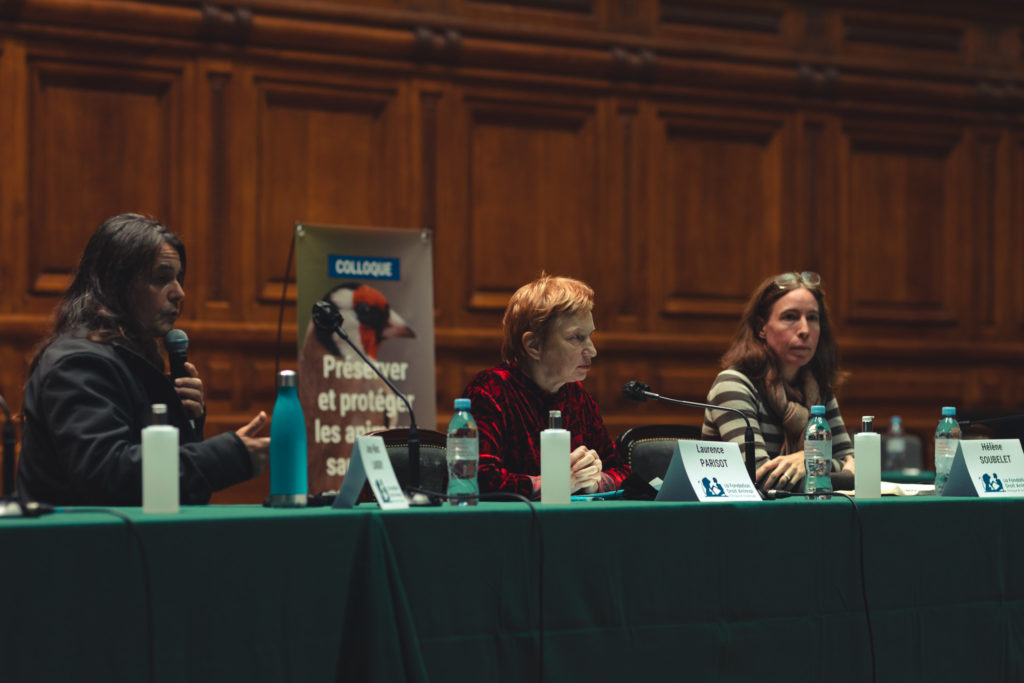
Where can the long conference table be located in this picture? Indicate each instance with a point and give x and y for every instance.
(594, 591)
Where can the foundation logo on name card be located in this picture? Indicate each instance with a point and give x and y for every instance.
(992, 483)
(364, 267)
(712, 489)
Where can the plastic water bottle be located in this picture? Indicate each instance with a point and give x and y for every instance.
(867, 453)
(160, 477)
(818, 455)
(289, 481)
(463, 456)
(895, 446)
(947, 438)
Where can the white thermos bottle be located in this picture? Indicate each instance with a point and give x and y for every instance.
(867, 460)
(554, 461)
(160, 490)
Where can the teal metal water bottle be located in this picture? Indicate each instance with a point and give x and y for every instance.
(288, 470)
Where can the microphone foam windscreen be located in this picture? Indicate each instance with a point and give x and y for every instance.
(176, 341)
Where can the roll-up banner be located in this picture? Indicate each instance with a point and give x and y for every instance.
(381, 280)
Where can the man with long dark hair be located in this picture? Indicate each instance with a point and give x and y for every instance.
(94, 380)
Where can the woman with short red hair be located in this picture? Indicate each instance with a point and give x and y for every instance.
(547, 353)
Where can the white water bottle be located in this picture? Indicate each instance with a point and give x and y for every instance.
(818, 455)
(867, 460)
(555, 470)
(160, 490)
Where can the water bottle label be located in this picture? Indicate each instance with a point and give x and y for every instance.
(818, 463)
(463, 459)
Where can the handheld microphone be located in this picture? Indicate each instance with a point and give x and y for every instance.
(640, 392)
(328, 318)
(176, 343)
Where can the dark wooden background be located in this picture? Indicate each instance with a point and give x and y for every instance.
(671, 153)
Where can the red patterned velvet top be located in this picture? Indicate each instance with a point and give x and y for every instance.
(510, 412)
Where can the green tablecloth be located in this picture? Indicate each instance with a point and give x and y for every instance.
(629, 592)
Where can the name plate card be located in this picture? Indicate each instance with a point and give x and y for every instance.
(987, 468)
(707, 471)
(370, 462)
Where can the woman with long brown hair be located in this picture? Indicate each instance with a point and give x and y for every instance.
(782, 361)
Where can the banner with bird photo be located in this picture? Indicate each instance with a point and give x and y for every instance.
(373, 286)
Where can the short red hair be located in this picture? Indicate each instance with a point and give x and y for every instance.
(535, 306)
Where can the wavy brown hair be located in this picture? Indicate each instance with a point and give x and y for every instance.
(118, 257)
(750, 354)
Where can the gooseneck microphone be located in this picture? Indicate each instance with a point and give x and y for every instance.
(328, 318)
(640, 392)
(176, 343)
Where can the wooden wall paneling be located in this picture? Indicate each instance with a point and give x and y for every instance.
(104, 138)
(718, 192)
(1013, 290)
(540, 14)
(810, 238)
(330, 152)
(987, 218)
(13, 176)
(424, 143)
(220, 192)
(750, 24)
(623, 257)
(528, 170)
(904, 41)
(901, 230)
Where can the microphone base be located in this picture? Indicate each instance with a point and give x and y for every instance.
(418, 499)
(10, 507)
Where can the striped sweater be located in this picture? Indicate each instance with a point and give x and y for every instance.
(733, 389)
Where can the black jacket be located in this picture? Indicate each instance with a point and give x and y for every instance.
(85, 406)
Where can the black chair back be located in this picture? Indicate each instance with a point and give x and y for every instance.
(648, 449)
(433, 458)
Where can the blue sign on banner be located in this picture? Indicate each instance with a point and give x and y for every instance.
(364, 267)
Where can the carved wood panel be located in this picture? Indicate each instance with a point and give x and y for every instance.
(525, 197)
(104, 139)
(717, 188)
(902, 230)
(328, 152)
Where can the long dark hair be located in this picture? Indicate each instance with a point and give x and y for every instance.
(118, 257)
(750, 354)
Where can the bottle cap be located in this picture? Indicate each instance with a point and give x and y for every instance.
(867, 423)
(555, 419)
(159, 413)
(463, 404)
(287, 378)
(948, 411)
(817, 410)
